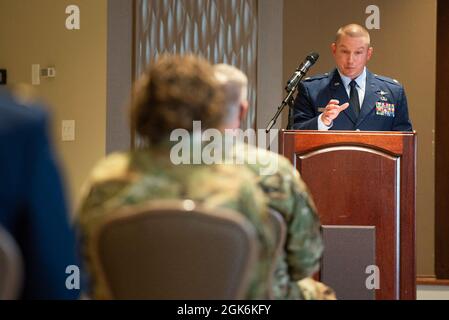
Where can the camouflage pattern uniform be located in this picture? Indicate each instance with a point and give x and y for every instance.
(126, 179)
(288, 195)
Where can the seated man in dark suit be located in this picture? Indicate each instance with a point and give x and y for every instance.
(32, 203)
(350, 97)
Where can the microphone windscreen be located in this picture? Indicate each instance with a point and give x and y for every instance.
(313, 57)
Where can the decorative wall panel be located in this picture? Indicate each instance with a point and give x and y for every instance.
(222, 31)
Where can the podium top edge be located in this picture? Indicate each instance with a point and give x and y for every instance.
(351, 132)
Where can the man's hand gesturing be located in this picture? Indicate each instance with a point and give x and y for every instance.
(332, 111)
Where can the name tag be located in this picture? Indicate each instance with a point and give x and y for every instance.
(385, 109)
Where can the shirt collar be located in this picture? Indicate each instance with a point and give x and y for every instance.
(360, 80)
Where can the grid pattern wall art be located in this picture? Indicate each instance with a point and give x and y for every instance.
(222, 31)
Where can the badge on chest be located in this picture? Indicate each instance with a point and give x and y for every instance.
(385, 109)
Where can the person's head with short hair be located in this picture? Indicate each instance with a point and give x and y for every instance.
(172, 93)
(352, 50)
(235, 87)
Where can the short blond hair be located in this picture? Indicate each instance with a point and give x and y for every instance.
(353, 30)
(235, 86)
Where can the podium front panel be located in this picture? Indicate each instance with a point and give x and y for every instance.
(349, 262)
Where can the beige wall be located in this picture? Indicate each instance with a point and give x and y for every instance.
(33, 31)
(405, 49)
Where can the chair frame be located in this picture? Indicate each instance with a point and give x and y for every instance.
(13, 273)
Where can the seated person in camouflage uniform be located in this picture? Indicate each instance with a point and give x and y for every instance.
(173, 93)
(287, 194)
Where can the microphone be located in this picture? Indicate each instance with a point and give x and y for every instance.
(301, 71)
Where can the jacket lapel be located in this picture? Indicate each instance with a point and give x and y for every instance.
(370, 99)
(338, 92)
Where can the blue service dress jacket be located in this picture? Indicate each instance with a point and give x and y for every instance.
(32, 202)
(384, 107)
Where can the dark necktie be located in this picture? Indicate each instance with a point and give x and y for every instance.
(354, 98)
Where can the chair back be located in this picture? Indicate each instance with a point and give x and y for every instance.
(279, 228)
(176, 250)
(11, 267)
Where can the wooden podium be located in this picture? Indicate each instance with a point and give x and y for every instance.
(363, 185)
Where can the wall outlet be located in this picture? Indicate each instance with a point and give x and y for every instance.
(68, 130)
(49, 72)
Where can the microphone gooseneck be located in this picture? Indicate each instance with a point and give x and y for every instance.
(301, 71)
(292, 84)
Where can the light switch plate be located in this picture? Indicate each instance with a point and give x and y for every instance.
(68, 130)
(35, 74)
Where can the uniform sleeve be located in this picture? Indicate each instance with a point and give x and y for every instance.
(304, 246)
(304, 117)
(253, 205)
(288, 194)
(402, 120)
(50, 240)
(97, 199)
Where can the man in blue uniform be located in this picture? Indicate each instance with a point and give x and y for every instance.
(351, 97)
(33, 206)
